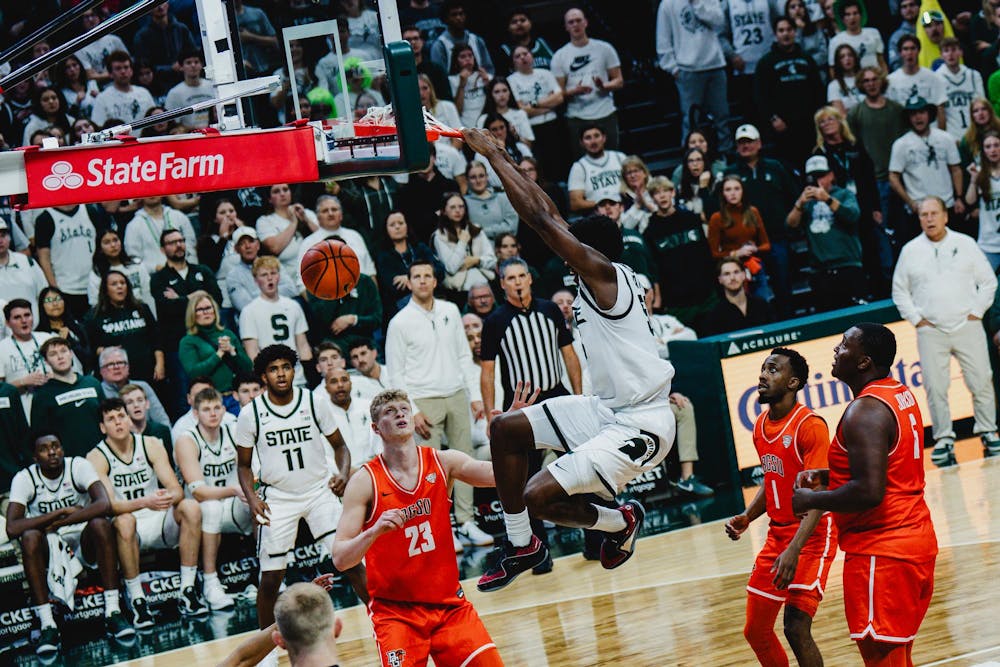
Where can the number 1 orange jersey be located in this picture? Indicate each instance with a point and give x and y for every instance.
(900, 526)
(800, 441)
(416, 563)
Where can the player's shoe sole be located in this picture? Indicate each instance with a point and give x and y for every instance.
(507, 562)
(619, 547)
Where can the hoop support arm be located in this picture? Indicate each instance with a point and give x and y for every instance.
(52, 26)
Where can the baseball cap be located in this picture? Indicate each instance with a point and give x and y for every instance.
(244, 232)
(932, 16)
(747, 132)
(916, 103)
(817, 164)
(610, 196)
(4, 225)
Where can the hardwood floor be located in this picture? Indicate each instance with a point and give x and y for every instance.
(680, 601)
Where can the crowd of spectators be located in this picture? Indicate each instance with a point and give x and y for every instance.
(814, 134)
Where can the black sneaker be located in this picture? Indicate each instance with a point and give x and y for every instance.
(190, 603)
(48, 642)
(141, 616)
(991, 444)
(508, 561)
(545, 567)
(117, 627)
(619, 547)
(943, 454)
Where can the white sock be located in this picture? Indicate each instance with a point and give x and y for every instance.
(44, 613)
(111, 602)
(518, 528)
(134, 588)
(188, 575)
(609, 520)
(210, 579)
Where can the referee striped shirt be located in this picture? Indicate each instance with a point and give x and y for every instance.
(525, 344)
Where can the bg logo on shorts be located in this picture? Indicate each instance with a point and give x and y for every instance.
(395, 657)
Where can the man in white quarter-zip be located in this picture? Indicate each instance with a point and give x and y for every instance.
(430, 360)
(943, 284)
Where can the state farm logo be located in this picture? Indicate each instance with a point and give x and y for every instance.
(62, 176)
(108, 171)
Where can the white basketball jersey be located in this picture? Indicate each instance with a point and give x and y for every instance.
(72, 248)
(130, 479)
(41, 495)
(625, 366)
(750, 27)
(961, 89)
(290, 440)
(217, 459)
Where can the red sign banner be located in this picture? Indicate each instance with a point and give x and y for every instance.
(164, 166)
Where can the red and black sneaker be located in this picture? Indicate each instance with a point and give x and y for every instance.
(619, 547)
(508, 561)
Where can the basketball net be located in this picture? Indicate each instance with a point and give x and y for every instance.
(382, 121)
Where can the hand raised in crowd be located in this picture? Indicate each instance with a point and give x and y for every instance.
(225, 346)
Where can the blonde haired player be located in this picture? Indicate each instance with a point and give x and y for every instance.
(206, 456)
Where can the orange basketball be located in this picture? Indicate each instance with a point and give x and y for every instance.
(330, 269)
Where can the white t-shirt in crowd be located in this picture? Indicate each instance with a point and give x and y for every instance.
(126, 107)
(580, 65)
(867, 44)
(925, 83)
(518, 120)
(924, 164)
(851, 98)
(182, 95)
(273, 224)
(532, 88)
(597, 177)
(271, 322)
(475, 98)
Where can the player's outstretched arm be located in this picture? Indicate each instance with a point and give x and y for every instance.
(538, 210)
(869, 430)
(352, 543)
(459, 465)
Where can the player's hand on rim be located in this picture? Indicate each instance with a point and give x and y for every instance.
(736, 526)
(480, 140)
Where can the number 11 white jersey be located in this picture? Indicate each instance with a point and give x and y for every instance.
(290, 440)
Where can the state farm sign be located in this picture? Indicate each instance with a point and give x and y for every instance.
(131, 170)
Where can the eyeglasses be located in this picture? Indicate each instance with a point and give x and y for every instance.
(115, 364)
(52, 299)
(204, 309)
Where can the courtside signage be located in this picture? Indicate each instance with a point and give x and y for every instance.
(825, 394)
(135, 169)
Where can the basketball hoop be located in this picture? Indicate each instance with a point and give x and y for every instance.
(380, 121)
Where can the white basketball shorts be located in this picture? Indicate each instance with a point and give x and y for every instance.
(228, 515)
(156, 529)
(321, 510)
(603, 449)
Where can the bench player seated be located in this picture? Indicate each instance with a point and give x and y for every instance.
(63, 496)
(133, 467)
(206, 456)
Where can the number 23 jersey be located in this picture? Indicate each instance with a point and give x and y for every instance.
(290, 440)
(415, 563)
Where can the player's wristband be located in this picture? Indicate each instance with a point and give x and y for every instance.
(196, 484)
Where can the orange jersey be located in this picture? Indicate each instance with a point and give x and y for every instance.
(800, 441)
(900, 526)
(416, 563)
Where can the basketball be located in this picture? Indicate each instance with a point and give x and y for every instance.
(330, 270)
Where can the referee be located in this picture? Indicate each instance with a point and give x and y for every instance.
(527, 336)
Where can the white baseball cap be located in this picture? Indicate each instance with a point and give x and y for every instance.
(747, 132)
(243, 232)
(817, 164)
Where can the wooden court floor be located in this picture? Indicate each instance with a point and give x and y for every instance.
(680, 600)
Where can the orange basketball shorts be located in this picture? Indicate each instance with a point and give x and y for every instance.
(806, 589)
(408, 632)
(886, 598)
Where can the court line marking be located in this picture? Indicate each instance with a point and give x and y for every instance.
(970, 654)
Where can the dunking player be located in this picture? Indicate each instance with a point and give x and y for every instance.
(63, 495)
(397, 516)
(626, 429)
(793, 566)
(290, 432)
(876, 493)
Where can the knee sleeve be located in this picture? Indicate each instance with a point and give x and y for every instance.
(211, 516)
(759, 631)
